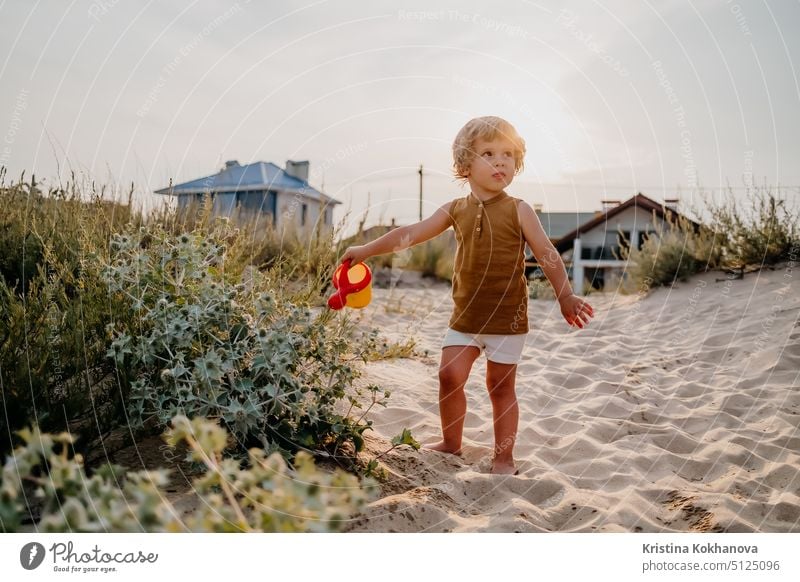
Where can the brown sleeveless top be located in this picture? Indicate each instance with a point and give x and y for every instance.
(490, 291)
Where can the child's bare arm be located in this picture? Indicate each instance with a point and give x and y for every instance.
(546, 254)
(403, 237)
(575, 310)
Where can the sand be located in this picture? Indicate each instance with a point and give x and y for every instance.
(676, 410)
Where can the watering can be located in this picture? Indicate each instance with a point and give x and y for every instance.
(353, 284)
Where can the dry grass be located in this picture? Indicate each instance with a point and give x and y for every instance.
(760, 232)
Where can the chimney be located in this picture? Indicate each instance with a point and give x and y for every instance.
(230, 164)
(609, 204)
(298, 170)
(538, 206)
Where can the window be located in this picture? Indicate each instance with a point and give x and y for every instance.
(303, 214)
(624, 239)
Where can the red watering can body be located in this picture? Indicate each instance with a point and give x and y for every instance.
(353, 284)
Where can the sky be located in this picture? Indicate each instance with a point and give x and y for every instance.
(674, 98)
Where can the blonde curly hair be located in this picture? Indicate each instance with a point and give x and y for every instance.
(486, 128)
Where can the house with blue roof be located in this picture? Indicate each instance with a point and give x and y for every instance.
(261, 190)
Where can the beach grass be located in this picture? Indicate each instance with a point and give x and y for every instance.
(62, 318)
(731, 235)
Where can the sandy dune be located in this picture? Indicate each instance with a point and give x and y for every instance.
(675, 411)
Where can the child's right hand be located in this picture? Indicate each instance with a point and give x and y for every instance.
(356, 254)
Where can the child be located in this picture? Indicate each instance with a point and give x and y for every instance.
(490, 291)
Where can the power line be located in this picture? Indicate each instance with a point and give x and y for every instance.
(409, 173)
(598, 186)
(643, 188)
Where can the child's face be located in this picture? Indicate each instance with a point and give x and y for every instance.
(492, 167)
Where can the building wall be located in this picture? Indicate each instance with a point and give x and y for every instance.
(224, 203)
(184, 201)
(292, 216)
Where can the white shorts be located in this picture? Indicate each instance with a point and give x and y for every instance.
(502, 349)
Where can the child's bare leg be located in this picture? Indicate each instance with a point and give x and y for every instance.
(500, 381)
(454, 371)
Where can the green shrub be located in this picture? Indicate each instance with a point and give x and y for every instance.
(301, 265)
(425, 257)
(737, 236)
(197, 342)
(434, 258)
(54, 307)
(444, 265)
(704, 244)
(263, 496)
(665, 256)
(541, 289)
(762, 233)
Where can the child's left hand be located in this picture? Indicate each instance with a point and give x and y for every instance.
(575, 310)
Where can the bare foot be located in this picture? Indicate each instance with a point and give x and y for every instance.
(442, 448)
(500, 468)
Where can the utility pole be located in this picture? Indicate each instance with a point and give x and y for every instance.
(420, 192)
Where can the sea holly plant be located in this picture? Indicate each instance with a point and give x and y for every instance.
(404, 438)
(263, 496)
(198, 340)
